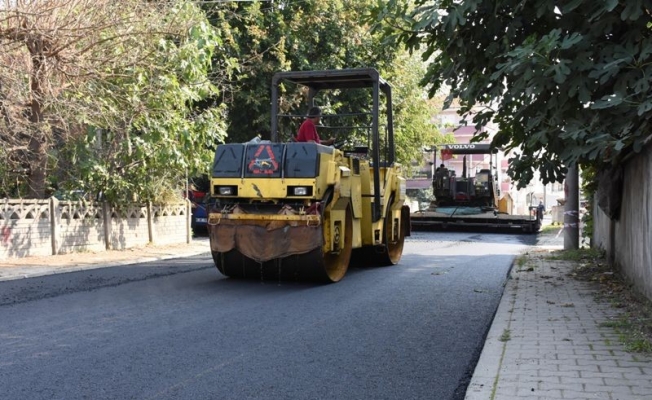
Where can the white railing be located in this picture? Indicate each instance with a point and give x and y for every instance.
(49, 227)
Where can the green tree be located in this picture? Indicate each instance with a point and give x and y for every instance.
(110, 89)
(268, 37)
(314, 35)
(414, 123)
(147, 134)
(566, 82)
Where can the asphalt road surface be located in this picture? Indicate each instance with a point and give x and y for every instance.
(177, 329)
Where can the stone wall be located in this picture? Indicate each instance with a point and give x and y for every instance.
(48, 227)
(628, 240)
(25, 228)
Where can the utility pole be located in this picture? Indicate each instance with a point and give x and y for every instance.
(572, 209)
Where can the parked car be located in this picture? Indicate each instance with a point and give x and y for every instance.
(199, 214)
(198, 192)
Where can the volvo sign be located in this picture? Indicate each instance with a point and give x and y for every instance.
(470, 148)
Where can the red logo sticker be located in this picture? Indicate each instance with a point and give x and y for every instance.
(263, 165)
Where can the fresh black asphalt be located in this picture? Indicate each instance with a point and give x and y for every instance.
(177, 329)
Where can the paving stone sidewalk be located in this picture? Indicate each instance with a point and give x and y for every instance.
(548, 340)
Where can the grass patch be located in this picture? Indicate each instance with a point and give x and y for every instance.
(550, 229)
(633, 332)
(522, 263)
(506, 336)
(579, 255)
(634, 324)
(521, 260)
(638, 345)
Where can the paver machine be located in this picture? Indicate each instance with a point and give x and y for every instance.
(289, 210)
(469, 201)
(467, 190)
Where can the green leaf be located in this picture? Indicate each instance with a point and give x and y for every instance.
(605, 102)
(610, 5)
(561, 71)
(642, 86)
(633, 10)
(572, 5)
(570, 41)
(644, 107)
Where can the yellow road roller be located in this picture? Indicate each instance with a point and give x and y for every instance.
(289, 210)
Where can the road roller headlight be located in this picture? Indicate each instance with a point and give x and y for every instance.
(226, 190)
(300, 190)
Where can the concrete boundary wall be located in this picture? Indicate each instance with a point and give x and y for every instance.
(50, 227)
(628, 240)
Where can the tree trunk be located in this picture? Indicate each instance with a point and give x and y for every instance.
(38, 144)
(37, 165)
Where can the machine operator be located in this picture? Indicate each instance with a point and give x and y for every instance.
(308, 129)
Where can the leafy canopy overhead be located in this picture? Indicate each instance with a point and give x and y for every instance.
(566, 82)
(268, 37)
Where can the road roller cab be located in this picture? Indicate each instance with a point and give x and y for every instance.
(295, 210)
